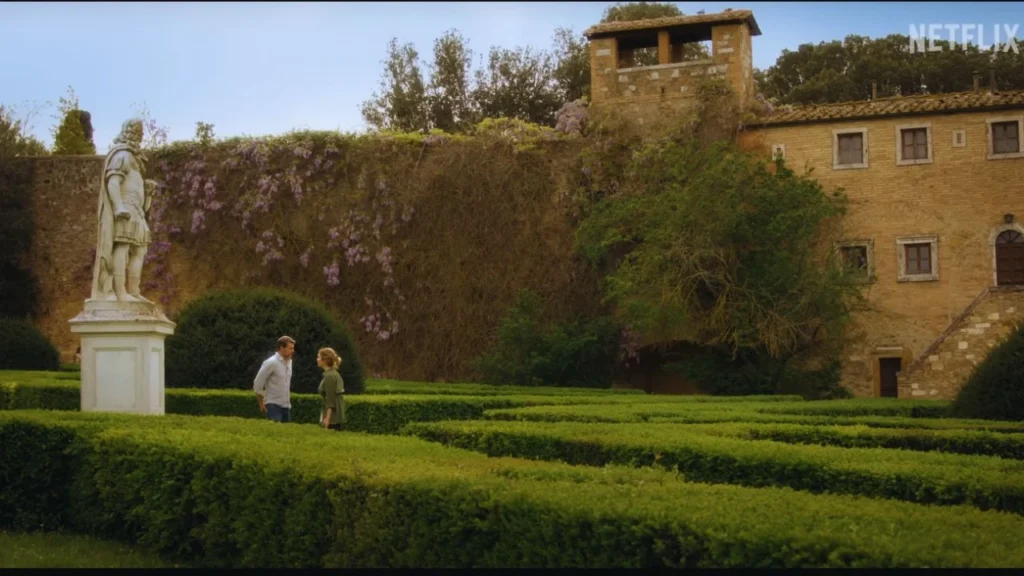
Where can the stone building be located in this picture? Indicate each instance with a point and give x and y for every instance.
(666, 80)
(934, 184)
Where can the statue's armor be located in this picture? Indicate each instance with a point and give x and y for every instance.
(134, 230)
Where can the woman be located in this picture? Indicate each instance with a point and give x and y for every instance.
(332, 389)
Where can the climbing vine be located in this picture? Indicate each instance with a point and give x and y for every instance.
(399, 232)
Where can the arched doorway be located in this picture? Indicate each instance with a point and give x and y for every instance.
(1010, 258)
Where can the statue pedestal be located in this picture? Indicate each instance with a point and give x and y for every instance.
(122, 356)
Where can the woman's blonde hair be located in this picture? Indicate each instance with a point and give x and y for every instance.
(330, 357)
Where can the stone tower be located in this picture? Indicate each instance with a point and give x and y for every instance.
(625, 73)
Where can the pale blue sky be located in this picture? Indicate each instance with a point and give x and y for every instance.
(268, 67)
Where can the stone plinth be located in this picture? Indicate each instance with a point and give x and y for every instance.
(122, 356)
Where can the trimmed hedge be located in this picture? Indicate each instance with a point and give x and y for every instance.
(380, 414)
(662, 414)
(866, 407)
(222, 338)
(385, 386)
(926, 478)
(404, 387)
(24, 347)
(970, 442)
(234, 493)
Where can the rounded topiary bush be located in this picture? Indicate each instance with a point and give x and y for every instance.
(24, 347)
(995, 389)
(222, 338)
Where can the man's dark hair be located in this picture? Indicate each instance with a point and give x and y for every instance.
(284, 341)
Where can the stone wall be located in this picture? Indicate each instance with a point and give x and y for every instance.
(945, 365)
(66, 194)
(959, 199)
(733, 54)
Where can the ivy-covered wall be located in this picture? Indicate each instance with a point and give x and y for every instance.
(418, 243)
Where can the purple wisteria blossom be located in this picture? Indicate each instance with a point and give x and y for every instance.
(332, 273)
(198, 220)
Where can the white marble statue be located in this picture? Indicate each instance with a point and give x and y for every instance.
(123, 233)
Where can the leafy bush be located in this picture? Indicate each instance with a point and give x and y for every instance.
(995, 389)
(530, 352)
(752, 372)
(24, 347)
(233, 493)
(720, 375)
(223, 337)
(927, 478)
(709, 245)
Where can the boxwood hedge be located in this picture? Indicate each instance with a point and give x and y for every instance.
(225, 492)
(927, 478)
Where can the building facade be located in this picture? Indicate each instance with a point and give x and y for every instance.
(936, 200)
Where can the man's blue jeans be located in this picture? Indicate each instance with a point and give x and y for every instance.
(278, 414)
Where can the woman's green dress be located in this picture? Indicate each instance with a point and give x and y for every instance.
(332, 391)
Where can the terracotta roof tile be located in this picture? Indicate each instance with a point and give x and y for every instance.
(675, 21)
(894, 106)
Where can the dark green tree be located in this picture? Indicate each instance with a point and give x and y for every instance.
(572, 65)
(401, 102)
(518, 83)
(839, 71)
(449, 92)
(73, 135)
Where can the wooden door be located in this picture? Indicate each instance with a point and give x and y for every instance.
(888, 367)
(1010, 258)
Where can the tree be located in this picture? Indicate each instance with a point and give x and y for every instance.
(14, 139)
(572, 65)
(154, 135)
(630, 11)
(72, 136)
(838, 71)
(19, 288)
(518, 84)
(204, 134)
(448, 95)
(706, 245)
(401, 104)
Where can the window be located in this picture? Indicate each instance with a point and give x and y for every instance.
(913, 144)
(857, 255)
(778, 151)
(659, 47)
(918, 258)
(849, 149)
(1009, 253)
(1004, 138)
(959, 138)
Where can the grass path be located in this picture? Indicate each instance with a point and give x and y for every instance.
(53, 550)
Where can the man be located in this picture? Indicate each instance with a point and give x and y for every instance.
(124, 236)
(274, 381)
